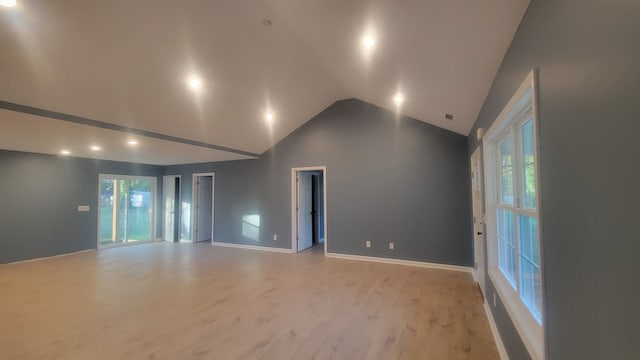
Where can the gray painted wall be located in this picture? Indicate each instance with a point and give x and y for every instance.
(587, 54)
(40, 196)
(388, 178)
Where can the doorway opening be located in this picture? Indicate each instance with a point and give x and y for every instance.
(477, 199)
(171, 201)
(203, 199)
(308, 208)
(126, 213)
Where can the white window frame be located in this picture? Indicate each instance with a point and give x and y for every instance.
(520, 108)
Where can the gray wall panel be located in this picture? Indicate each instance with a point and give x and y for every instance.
(40, 196)
(389, 178)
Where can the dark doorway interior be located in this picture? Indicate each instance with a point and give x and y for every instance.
(176, 211)
(315, 181)
(310, 209)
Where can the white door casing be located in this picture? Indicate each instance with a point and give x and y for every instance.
(203, 194)
(478, 218)
(304, 211)
(294, 204)
(169, 194)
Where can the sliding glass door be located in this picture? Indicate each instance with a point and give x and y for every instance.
(127, 210)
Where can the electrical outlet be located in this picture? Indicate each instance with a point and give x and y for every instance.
(367, 243)
(494, 299)
(275, 237)
(391, 246)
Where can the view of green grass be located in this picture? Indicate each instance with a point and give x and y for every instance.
(138, 221)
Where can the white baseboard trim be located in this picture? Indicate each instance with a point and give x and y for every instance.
(251, 247)
(48, 257)
(186, 241)
(496, 334)
(401, 262)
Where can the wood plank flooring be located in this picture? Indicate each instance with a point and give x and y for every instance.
(181, 301)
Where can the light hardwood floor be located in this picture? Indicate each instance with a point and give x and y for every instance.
(180, 301)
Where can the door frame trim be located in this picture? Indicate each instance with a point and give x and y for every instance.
(179, 216)
(481, 269)
(194, 204)
(294, 188)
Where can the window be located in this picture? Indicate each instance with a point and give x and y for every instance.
(513, 221)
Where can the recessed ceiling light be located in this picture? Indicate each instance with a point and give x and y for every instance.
(194, 82)
(398, 99)
(132, 142)
(269, 117)
(65, 152)
(368, 41)
(8, 3)
(96, 148)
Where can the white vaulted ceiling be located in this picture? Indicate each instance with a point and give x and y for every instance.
(127, 63)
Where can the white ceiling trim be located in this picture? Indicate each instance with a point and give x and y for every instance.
(105, 125)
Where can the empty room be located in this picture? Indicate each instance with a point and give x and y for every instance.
(279, 179)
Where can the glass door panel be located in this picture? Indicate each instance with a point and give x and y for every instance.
(139, 210)
(108, 202)
(126, 209)
(121, 210)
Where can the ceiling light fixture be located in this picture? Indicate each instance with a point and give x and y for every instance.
(194, 82)
(8, 3)
(269, 117)
(65, 152)
(398, 99)
(132, 142)
(368, 41)
(95, 148)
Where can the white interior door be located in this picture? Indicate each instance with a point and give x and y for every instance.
(169, 198)
(305, 211)
(478, 218)
(204, 203)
